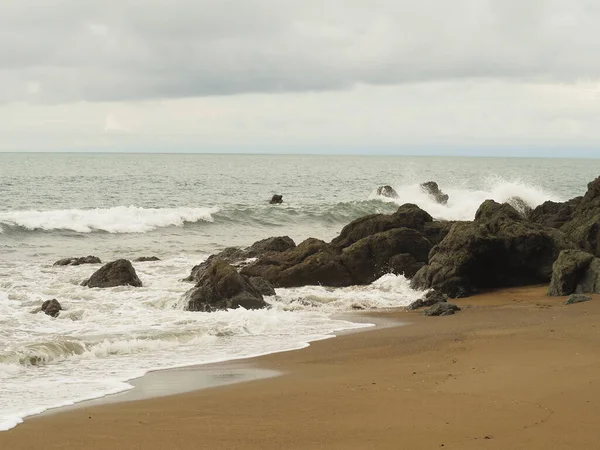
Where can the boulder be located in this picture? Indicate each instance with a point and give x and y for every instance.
(116, 273)
(51, 307)
(387, 191)
(429, 299)
(441, 309)
(276, 200)
(577, 298)
(553, 214)
(78, 261)
(567, 271)
(312, 262)
(221, 287)
(146, 259)
(432, 189)
(272, 244)
(262, 286)
(498, 249)
(407, 216)
(584, 226)
(397, 250)
(237, 256)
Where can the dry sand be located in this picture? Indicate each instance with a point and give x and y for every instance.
(516, 370)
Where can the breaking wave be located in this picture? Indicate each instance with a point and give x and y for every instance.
(120, 219)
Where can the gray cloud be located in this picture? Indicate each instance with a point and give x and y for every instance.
(69, 50)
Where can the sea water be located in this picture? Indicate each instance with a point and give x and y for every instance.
(182, 208)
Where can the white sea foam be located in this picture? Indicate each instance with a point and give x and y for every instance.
(105, 337)
(120, 219)
(463, 202)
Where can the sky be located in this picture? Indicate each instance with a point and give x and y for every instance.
(482, 77)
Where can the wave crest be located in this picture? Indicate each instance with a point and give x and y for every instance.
(120, 219)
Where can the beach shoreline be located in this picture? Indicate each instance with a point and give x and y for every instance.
(514, 369)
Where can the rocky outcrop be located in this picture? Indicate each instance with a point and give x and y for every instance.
(222, 287)
(78, 261)
(584, 226)
(441, 309)
(51, 308)
(365, 250)
(432, 189)
(575, 271)
(312, 262)
(276, 200)
(262, 286)
(387, 191)
(116, 273)
(553, 214)
(146, 259)
(429, 299)
(498, 249)
(407, 216)
(400, 250)
(237, 256)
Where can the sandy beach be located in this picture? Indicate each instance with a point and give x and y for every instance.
(513, 370)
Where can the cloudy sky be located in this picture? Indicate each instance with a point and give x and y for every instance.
(312, 76)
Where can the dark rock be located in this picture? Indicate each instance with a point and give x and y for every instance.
(116, 273)
(370, 258)
(432, 189)
(237, 256)
(276, 200)
(553, 214)
(404, 264)
(407, 216)
(78, 261)
(521, 206)
(584, 226)
(441, 309)
(577, 298)
(429, 299)
(590, 282)
(262, 286)
(272, 244)
(222, 287)
(387, 191)
(51, 307)
(312, 262)
(567, 271)
(146, 259)
(490, 210)
(498, 249)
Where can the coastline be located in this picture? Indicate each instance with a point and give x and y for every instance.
(514, 369)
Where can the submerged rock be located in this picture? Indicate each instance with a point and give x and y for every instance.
(222, 287)
(146, 259)
(441, 309)
(78, 261)
(577, 298)
(498, 249)
(51, 307)
(276, 200)
(387, 191)
(432, 189)
(116, 273)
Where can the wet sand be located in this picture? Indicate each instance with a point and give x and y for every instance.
(515, 369)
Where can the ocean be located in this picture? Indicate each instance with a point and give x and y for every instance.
(182, 208)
